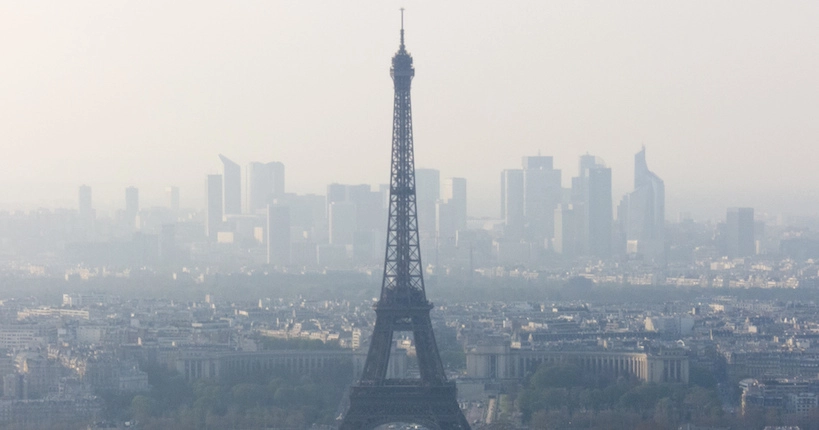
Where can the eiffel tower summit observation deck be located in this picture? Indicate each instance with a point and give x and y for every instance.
(430, 400)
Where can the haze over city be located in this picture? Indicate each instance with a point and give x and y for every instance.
(468, 216)
(723, 95)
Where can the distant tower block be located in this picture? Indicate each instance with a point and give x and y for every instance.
(172, 193)
(739, 233)
(213, 210)
(85, 205)
(131, 206)
(265, 181)
(641, 213)
(231, 187)
(278, 235)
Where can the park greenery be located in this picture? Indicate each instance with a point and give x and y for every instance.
(563, 397)
(275, 398)
(359, 287)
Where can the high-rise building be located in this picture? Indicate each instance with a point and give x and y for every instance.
(370, 212)
(428, 190)
(167, 244)
(541, 194)
(450, 217)
(213, 203)
(307, 212)
(641, 214)
(739, 233)
(278, 235)
(336, 193)
(512, 203)
(172, 194)
(592, 209)
(131, 201)
(265, 181)
(566, 241)
(342, 223)
(454, 194)
(86, 208)
(87, 215)
(231, 187)
(131, 205)
(445, 227)
(369, 204)
(384, 191)
(599, 216)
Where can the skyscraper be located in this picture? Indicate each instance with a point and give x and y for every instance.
(265, 181)
(592, 209)
(86, 209)
(278, 235)
(428, 192)
(342, 223)
(739, 233)
(370, 213)
(512, 203)
(454, 194)
(172, 194)
(167, 244)
(641, 214)
(335, 193)
(566, 239)
(450, 216)
(428, 189)
(355, 215)
(599, 216)
(131, 205)
(231, 187)
(87, 215)
(541, 195)
(213, 203)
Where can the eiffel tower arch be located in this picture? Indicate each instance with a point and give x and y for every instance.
(430, 400)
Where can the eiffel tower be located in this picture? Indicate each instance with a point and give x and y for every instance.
(430, 401)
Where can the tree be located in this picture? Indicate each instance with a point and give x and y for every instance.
(143, 408)
(248, 395)
(562, 376)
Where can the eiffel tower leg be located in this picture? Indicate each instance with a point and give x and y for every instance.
(429, 360)
(457, 421)
(378, 357)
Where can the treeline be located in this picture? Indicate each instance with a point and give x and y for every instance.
(359, 287)
(266, 399)
(562, 396)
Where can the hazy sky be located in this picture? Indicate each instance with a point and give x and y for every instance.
(723, 94)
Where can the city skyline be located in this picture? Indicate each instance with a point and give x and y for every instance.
(241, 184)
(677, 92)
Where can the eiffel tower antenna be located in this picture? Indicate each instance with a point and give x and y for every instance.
(401, 47)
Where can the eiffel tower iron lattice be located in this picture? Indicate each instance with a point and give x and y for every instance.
(431, 400)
